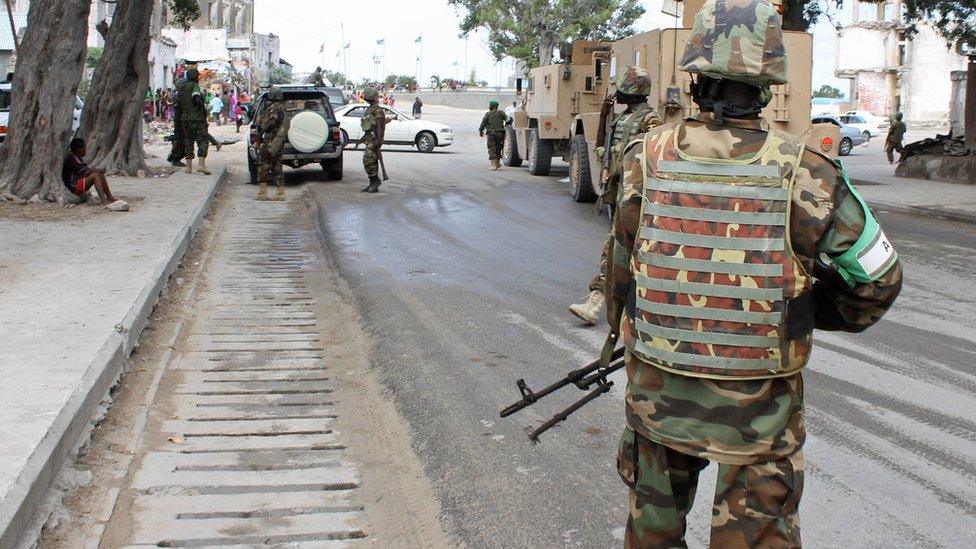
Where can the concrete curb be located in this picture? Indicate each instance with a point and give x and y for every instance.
(28, 492)
(924, 211)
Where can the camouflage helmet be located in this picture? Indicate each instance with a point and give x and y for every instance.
(739, 40)
(370, 94)
(275, 94)
(633, 81)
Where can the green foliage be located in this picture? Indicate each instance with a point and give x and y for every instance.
(390, 79)
(406, 81)
(472, 79)
(84, 87)
(94, 55)
(183, 12)
(279, 76)
(529, 30)
(828, 91)
(435, 81)
(954, 19)
(337, 78)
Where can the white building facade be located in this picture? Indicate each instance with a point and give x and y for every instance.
(889, 71)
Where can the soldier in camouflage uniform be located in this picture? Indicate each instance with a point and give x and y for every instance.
(633, 87)
(374, 130)
(493, 124)
(193, 121)
(273, 130)
(732, 243)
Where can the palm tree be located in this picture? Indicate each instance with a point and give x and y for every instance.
(435, 82)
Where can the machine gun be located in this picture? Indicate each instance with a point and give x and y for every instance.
(583, 378)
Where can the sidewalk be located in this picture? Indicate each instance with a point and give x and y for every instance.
(76, 289)
(879, 186)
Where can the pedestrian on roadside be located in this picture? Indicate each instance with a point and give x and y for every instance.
(193, 121)
(79, 178)
(896, 134)
(225, 107)
(373, 125)
(232, 110)
(216, 108)
(493, 125)
(418, 106)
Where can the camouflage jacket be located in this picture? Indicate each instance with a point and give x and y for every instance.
(626, 126)
(493, 122)
(741, 422)
(274, 125)
(897, 132)
(371, 118)
(190, 110)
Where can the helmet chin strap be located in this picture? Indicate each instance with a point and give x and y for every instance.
(707, 92)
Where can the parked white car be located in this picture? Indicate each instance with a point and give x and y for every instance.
(5, 111)
(401, 130)
(865, 122)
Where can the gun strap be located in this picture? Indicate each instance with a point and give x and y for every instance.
(606, 355)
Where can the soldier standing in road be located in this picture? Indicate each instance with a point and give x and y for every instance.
(193, 118)
(736, 243)
(493, 125)
(633, 87)
(177, 152)
(896, 133)
(374, 130)
(272, 131)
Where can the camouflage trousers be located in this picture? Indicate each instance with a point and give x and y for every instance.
(371, 162)
(891, 147)
(269, 168)
(195, 133)
(496, 141)
(754, 505)
(600, 280)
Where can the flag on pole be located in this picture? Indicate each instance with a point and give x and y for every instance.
(381, 41)
(346, 47)
(322, 48)
(419, 39)
(454, 64)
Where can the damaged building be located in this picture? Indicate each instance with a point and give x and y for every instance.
(890, 71)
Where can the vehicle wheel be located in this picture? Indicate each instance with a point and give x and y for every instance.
(344, 137)
(252, 169)
(845, 146)
(866, 134)
(510, 154)
(426, 142)
(540, 154)
(580, 181)
(333, 169)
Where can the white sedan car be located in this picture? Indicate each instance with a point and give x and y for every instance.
(400, 130)
(870, 125)
(5, 111)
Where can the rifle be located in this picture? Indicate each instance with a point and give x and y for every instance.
(604, 134)
(379, 156)
(583, 378)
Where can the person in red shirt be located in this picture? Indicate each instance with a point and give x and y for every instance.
(79, 178)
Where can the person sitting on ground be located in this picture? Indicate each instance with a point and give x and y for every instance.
(79, 178)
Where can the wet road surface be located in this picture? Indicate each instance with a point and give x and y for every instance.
(463, 278)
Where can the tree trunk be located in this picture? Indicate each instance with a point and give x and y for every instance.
(796, 17)
(546, 44)
(112, 120)
(45, 84)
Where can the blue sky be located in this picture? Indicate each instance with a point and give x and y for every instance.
(306, 26)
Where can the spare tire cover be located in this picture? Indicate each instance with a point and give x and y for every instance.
(308, 132)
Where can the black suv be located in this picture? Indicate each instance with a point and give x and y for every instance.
(314, 130)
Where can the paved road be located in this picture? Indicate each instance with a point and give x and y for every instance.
(463, 277)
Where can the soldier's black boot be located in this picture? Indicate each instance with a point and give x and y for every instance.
(374, 185)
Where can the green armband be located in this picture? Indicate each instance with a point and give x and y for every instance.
(872, 255)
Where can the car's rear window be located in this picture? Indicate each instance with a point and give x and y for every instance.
(298, 101)
(4, 100)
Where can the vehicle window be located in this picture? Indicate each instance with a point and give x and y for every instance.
(845, 119)
(335, 97)
(855, 120)
(295, 106)
(4, 100)
(834, 122)
(357, 112)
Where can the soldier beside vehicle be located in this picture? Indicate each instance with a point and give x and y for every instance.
(633, 88)
(493, 126)
(735, 242)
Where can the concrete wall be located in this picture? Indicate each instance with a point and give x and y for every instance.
(927, 86)
(477, 100)
(957, 103)
(860, 48)
(265, 53)
(199, 44)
